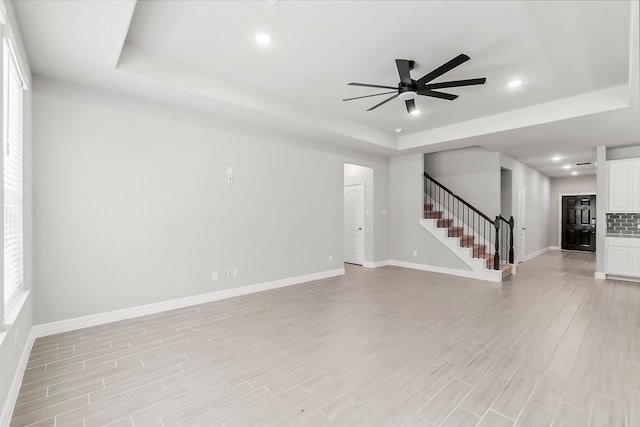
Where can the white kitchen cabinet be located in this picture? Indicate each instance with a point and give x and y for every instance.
(623, 256)
(623, 182)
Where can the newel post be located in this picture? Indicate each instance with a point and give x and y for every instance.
(496, 257)
(512, 223)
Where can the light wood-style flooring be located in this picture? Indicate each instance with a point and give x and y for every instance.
(376, 347)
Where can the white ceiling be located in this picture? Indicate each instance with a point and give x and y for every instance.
(578, 61)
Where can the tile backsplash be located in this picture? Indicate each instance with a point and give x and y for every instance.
(623, 224)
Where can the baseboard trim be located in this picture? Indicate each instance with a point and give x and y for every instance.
(600, 275)
(375, 264)
(554, 248)
(143, 310)
(623, 278)
(536, 253)
(488, 275)
(14, 389)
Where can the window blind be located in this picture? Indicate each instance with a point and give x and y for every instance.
(12, 120)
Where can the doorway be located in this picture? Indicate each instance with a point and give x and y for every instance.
(520, 225)
(359, 215)
(579, 223)
(505, 192)
(354, 224)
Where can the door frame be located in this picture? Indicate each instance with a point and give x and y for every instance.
(589, 193)
(363, 222)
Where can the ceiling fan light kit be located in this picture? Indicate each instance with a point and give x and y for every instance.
(407, 94)
(408, 88)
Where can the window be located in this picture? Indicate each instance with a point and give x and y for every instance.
(13, 85)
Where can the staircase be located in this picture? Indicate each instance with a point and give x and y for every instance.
(485, 245)
(479, 250)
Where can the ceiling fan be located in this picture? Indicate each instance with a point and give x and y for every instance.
(408, 88)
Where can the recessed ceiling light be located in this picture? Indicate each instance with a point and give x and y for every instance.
(556, 158)
(514, 83)
(415, 112)
(398, 130)
(566, 167)
(263, 38)
(574, 173)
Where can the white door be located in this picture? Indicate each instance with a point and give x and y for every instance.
(354, 224)
(520, 225)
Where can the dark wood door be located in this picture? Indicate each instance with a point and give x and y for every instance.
(579, 223)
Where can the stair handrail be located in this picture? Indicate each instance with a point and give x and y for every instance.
(469, 205)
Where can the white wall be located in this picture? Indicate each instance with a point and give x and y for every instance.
(407, 208)
(567, 186)
(134, 208)
(472, 173)
(537, 204)
(18, 323)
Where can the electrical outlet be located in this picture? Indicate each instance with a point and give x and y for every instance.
(235, 272)
(330, 258)
(230, 272)
(415, 252)
(229, 179)
(214, 275)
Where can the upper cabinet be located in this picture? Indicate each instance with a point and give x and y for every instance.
(623, 182)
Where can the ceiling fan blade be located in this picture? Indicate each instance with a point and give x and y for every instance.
(441, 95)
(455, 83)
(411, 105)
(404, 67)
(368, 96)
(368, 85)
(383, 102)
(442, 69)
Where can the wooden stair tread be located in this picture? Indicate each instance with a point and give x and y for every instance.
(444, 222)
(433, 214)
(466, 240)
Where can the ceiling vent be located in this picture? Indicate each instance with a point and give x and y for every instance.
(585, 165)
